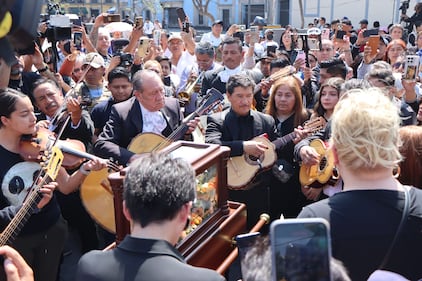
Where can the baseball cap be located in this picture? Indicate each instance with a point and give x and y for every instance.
(175, 36)
(364, 21)
(269, 30)
(218, 22)
(95, 60)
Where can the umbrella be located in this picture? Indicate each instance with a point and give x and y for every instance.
(119, 29)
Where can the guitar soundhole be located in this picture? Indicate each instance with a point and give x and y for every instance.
(252, 160)
(322, 163)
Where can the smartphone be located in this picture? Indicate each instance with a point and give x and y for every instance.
(370, 32)
(373, 42)
(340, 34)
(77, 40)
(77, 22)
(139, 21)
(185, 26)
(300, 249)
(411, 67)
(181, 14)
(325, 34)
(244, 243)
(143, 47)
(301, 55)
(111, 18)
(271, 50)
(254, 34)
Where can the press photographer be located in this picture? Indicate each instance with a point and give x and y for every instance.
(415, 18)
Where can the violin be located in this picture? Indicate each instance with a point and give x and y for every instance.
(32, 148)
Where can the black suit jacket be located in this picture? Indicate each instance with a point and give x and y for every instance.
(212, 80)
(125, 123)
(137, 259)
(222, 128)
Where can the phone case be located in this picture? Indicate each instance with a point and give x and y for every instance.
(411, 67)
(373, 42)
(181, 14)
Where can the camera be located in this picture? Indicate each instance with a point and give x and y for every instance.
(126, 59)
(59, 28)
(404, 6)
(117, 46)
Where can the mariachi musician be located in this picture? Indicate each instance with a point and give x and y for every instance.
(148, 111)
(67, 114)
(42, 237)
(235, 127)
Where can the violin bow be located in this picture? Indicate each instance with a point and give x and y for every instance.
(58, 116)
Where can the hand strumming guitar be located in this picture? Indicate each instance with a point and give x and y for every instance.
(254, 148)
(309, 156)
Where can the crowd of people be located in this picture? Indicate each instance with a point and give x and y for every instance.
(110, 89)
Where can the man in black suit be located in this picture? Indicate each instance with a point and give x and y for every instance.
(158, 195)
(147, 111)
(235, 127)
(232, 55)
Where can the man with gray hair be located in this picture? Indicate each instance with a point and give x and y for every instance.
(147, 111)
(205, 60)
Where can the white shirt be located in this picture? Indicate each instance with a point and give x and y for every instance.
(148, 27)
(153, 122)
(209, 37)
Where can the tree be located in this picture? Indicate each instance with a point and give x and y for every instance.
(202, 8)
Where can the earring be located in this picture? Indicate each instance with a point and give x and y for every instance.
(396, 171)
(336, 174)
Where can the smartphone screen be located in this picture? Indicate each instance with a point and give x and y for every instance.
(411, 67)
(301, 249)
(77, 40)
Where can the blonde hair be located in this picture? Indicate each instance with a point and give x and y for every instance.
(365, 130)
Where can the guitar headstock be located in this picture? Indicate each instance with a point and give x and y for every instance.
(212, 98)
(52, 162)
(314, 125)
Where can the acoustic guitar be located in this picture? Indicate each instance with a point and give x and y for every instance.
(241, 170)
(49, 169)
(96, 193)
(319, 174)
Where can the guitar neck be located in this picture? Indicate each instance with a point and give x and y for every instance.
(282, 141)
(15, 226)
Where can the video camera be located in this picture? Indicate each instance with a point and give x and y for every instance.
(59, 28)
(18, 25)
(404, 6)
(117, 46)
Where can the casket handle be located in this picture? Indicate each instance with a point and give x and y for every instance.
(263, 220)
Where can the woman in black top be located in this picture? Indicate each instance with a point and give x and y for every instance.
(365, 216)
(42, 238)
